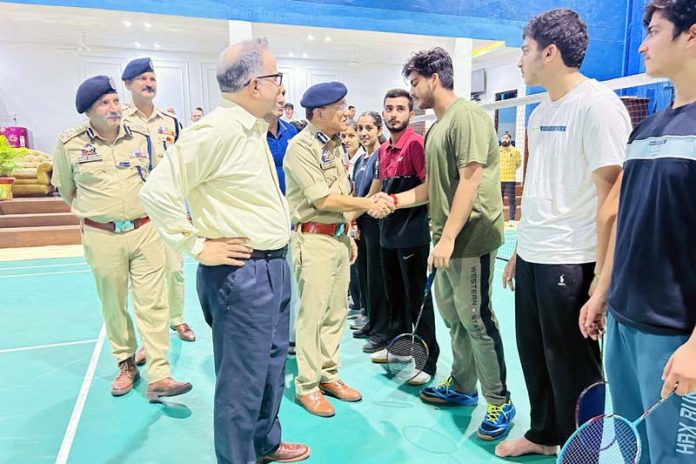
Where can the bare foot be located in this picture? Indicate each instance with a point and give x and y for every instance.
(522, 446)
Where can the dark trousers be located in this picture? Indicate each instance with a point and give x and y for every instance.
(354, 287)
(508, 189)
(248, 309)
(558, 363)
(372, 282)
(405, 272)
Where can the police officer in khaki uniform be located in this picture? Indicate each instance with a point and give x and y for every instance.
(163, 127)
(318, 194)
(99, 169)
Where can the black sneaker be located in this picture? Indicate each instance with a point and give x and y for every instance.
(362, 333)
(372, 346)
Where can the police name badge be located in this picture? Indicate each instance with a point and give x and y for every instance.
(327, 160)
(137, 153)
(88, 154)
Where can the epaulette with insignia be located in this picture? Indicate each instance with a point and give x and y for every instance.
(70, 134)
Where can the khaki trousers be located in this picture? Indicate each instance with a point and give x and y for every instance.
(322, 268)
(174, 279)
(137, 257)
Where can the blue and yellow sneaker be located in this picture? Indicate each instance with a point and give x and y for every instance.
(497, 422)
(446, 394)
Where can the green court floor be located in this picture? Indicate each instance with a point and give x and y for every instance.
(57, 370)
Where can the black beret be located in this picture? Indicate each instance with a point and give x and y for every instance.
(323, 94)
(91, 90)
(136, 68)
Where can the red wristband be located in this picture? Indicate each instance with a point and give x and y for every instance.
(395, 200)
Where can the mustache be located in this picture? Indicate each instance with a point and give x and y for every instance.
(149, 88)
(112, 115)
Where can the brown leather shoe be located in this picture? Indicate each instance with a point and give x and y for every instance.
(340, 390)
(166, 387)
(128, 374)
(316, 404)
(287, 452)
(185, 332)
(140, 357)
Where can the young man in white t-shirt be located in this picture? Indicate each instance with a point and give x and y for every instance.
(577, 140)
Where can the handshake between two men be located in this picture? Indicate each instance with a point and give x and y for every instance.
(383, 205)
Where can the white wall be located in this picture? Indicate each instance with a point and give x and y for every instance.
(367, 83)
(39, 84)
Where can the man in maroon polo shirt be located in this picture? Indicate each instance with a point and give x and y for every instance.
(404, 235)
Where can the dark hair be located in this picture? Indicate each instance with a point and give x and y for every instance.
(681, 13)
(353, 125)
(309, 113)
(429, 62)
(299, 125)
(289, 105)
(199, 108)
(377, 118)
(563, 28)
(351, 107)
(400, 93)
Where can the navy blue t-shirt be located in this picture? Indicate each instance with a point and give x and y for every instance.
(654, 275)
(278, 144)
(364, 172)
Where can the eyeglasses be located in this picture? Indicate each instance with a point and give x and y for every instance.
(277, 78)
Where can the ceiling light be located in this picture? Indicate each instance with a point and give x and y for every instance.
(328, 39)
(147, 25)
(304, 55)
(127, 23)
(310, 37)
(137, 44)
(291, 55)
(157, 46)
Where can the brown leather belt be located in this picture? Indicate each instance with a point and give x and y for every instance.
(335, 230)
(119, 226)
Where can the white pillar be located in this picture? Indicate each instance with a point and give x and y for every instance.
(461, 58)
(239, 31)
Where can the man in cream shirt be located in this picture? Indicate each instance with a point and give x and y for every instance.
(241, 227)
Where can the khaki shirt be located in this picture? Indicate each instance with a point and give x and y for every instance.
(313, 170)
(162, 126)
(223, 167)
(101, 181)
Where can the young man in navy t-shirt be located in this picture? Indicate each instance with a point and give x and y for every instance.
(650, 288)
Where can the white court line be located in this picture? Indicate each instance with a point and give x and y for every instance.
(43, 274)
(52, 345)
(13, 268)
(69, 436)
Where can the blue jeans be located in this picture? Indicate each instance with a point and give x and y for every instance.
(634, 362)
(248, 309)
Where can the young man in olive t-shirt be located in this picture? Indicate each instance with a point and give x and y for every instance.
(462, 189)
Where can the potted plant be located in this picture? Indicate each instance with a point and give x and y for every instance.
(8, 163)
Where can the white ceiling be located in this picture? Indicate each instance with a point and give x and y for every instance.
(84, 30)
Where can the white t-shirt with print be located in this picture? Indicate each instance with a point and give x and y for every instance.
(568, 139)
